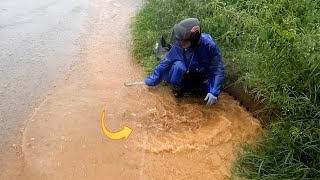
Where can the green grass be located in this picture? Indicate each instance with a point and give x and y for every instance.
(274, 48)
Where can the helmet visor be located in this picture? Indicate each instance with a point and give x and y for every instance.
(179, 35)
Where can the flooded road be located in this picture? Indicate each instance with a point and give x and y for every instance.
(170, 140)
(38, 39)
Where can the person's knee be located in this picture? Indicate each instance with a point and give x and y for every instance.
(179, 66)
(176, 73)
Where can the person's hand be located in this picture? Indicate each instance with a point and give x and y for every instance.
(147, 82)
(211, 99)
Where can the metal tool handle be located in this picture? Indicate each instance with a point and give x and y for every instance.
(134, 83)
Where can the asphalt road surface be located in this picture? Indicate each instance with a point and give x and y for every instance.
(38, 40)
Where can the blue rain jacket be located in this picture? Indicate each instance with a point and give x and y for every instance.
(206, 58)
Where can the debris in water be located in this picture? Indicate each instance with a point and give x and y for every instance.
(153, 110)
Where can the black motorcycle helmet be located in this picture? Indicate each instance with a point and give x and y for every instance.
(187, 30)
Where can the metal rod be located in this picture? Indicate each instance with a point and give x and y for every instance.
(134, 83)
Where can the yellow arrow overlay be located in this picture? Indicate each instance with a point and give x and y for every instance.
(124, 133)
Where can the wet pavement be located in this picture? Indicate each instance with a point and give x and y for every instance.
(171, 139)
(38, 39)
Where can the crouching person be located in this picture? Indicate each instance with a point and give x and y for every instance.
(194, 60)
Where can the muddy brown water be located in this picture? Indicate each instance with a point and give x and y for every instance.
(170, 139)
